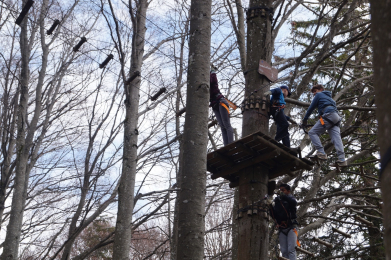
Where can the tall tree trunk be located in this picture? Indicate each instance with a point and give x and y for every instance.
(123, 229)
(191, 197)
(253, 230)
(381, 35)
(174, 238)
(12, 239)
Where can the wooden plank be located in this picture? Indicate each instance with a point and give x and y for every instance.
(293, 158)
(222, 157)
(237, 167)
(247, 149)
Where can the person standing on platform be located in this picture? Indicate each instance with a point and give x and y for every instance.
(283, 211)
(329, 120)
(220, 108)
(277, 105)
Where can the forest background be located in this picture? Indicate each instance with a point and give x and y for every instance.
(63, 124)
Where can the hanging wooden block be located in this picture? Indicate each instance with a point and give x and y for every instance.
(53, 27)
(240, 208)
(263, 103)
(25, 10)
(323, 242)
(79, 44)
(257, 102)
(161, 91)
(342, 233)
(246, 104)
(251, 101)
(250, 208)
(180, 112)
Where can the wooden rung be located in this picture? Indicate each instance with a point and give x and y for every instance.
(250, 209)
(323, 242)
(342, 233)
(282, 258)
(364, 221)
(305, 251)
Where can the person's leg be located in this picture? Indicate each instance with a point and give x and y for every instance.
(282, 128)
(216, 111)
(283, 244)
(314, 134)
(291, 238)
(226, 122)
(335, 135)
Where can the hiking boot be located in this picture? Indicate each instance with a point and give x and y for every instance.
(340, 163)
(321, 156)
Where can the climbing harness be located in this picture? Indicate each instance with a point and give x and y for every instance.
(225, 106)
(278, 109)
(329, 121)
(232, 104)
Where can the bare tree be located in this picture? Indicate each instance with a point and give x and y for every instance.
(191, 197)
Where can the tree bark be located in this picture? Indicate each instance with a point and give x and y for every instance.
(381, 34)
(253, 230)
(191, 197)
(12, 239)
(123, 229)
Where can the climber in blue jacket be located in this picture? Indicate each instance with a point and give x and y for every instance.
(277, 105)
(329, 120)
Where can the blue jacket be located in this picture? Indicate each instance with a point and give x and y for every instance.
(277, 97)
(323, 102)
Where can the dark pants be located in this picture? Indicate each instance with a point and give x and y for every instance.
(282, 126)
(222, 117)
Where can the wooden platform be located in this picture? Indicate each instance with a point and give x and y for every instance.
(258, 148)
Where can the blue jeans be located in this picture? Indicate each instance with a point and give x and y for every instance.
(222, 117)
(333, 131)
(288, 243)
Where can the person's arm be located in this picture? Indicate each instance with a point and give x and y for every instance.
(276, 92)
(311, 108)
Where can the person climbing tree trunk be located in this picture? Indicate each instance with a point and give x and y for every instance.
(191, 197)
(381, 33)
(253, 239)
(123, 229)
